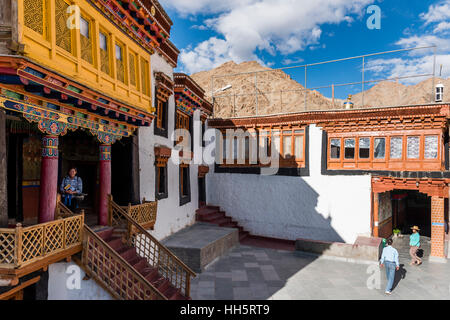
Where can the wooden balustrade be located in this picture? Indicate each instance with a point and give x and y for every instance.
(113, 272)
(61, 210)
(20, 247)
(144, 214)
(148, 247)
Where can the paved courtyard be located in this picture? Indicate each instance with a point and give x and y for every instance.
(256, 273)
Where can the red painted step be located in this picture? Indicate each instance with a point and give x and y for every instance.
(213, 214)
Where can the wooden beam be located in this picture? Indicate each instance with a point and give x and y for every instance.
(16, 291)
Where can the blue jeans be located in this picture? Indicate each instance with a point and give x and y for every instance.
(68, 200)
(390, 274)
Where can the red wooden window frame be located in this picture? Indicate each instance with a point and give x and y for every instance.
(387, 163)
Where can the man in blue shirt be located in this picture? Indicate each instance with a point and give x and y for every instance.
(389, 258)
(70, 187)
(414, 245)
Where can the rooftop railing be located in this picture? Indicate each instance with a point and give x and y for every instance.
(257, 97)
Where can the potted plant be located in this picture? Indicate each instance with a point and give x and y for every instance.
(396, 233)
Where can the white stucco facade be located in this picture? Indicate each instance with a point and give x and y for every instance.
(318, 207)
(65, 282)
(171, 216)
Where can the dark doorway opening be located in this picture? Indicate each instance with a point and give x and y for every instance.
(14, 181)
(201, 192)
(23, 156)
(125, 171)
(80, 150)
(411, 208)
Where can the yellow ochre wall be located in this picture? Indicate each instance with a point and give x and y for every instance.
(43, 50)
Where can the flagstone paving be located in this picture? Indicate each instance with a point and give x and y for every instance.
(248, 273)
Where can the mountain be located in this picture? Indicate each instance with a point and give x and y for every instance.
(278, 93)
(388, 93)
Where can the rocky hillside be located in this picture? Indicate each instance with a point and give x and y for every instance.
(388, 93)
(278, 93)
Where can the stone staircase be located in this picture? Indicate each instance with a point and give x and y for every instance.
(214, 215)
(114, 238)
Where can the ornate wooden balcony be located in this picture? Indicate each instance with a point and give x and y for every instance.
(26, 249)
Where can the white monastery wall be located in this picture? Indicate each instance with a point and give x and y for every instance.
(60, 274)
(329, 208)
(171, 217)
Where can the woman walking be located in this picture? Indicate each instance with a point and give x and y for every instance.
(414, 245)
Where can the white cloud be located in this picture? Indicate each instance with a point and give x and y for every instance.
(437, 12)
(420, 61)
(442, 27)
(274, 26)
(398, 67)
(191, 7)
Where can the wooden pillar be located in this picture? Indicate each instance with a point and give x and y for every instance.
(49, 178)
(3, 171)
(437, 227)
(376, 206)
(105, 183)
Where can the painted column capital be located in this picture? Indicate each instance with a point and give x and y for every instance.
(105, 152)
(50, 146)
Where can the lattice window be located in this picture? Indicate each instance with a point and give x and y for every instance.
(132, 63)
(104, 53)
(145, 81)
(413, 147)
(120, 67)
(63, 33)
(431, 147)
(33, 13)
(86, 42)
(396, 147)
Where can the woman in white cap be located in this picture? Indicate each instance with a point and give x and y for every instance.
(414, 245)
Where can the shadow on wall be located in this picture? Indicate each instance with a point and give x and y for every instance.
(273, 206)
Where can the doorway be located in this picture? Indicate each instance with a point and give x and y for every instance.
(201, 192)
(80, 150)
(411, 208)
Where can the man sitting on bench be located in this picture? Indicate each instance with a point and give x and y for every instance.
(70, 188)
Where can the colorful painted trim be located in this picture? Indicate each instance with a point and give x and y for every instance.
(105, 152)
(58, 123)
(50, 147)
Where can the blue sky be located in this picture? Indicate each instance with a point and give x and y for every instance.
(279, 33)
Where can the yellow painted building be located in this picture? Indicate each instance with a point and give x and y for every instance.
(76, 40)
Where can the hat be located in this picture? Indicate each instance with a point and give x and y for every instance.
(415, 228)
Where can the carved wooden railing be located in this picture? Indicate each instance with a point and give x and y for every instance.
(148, 247)
(61, 210)
(144, 214)
(113, 272)
(20, 247)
